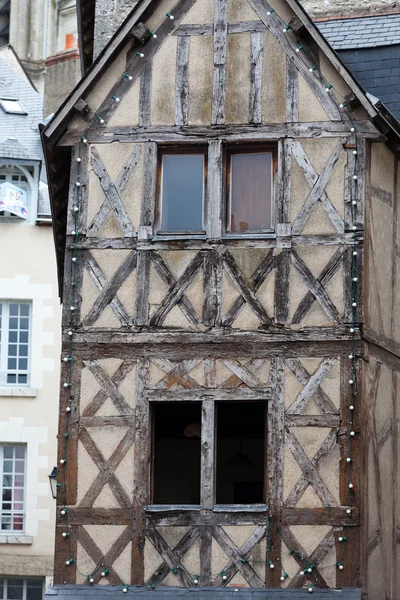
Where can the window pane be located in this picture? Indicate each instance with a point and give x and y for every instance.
(251, 192)
(23, 337)
(34, 590)
(23, 379)
(240, 452)
(177, 441)
(182, 192)
(11, 379)
(13, 336)
(19, 451)
(24, 310)
(14, 589)
(13, 310)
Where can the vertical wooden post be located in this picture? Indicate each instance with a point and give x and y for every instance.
(182, 81)
(219, 76)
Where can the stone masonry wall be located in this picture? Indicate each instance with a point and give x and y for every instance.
(327, 8)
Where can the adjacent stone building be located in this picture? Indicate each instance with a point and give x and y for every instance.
(225, 205)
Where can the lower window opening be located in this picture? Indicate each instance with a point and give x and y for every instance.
(240, 442)
(177, 438)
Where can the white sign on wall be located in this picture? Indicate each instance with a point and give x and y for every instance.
(13, 200)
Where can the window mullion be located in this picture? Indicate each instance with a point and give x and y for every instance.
(213, 199)
(207, 455)
(4, 344)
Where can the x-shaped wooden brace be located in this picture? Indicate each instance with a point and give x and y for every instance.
(109, 289)
(324, 278)
(315, 287)
(308, 467)
(112, 191)
(315, 558)
(317, 185)
(238, 557)
(109, 387)
(177, 290)
(234, 380)
(176, 373)
(302, 483)
(172, 557)
(311, 387)
(106, 469)
(247, 289)
(243, 373)
(107, 560)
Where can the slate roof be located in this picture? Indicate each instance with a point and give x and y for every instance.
(24, 128)
(370, 48)
(364, 32)
(104, 592)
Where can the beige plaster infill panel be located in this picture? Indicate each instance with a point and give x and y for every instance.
(310, 108)
(115, 157)
(200, 80)
(240, 10)
(127, 112)
(87, 472)
(383, 410)
(273, 90)
(84, 563)
(163, 84)
(282, 9)
(237, 79)
(340, 88)
(201, 13)
(113, 74)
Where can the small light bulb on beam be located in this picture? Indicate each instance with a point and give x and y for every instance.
(70, 561)
(351, 407)
(355, 253)
(65, 534)
(348, 511)
(83, 140)
(63, 511)
(329, 87)
(310, 589)
(351, 486)
(196, 580)
(153, 35)
(63, 461)
(313, 68)
(352, 433)
(170, 16)
(74, 259)
(224, 576)
(353, 129)
(90, 577)
(101, 120)
(68, 409)
(270, 11)
(340, 566)
(116, 98)
(79, 159)
(140, 54)
(124, 590)
(348, 459)
(355, 152)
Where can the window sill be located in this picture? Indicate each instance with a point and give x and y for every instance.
(251, 508)
(170, 507)
(17, 392)
(16, 539)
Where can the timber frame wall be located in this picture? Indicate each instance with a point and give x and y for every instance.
(130, 350)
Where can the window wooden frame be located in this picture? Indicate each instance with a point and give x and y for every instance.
(182, 150)
(208, 471)
(254, 148)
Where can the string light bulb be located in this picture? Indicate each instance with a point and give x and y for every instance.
(83, 140)
(313, 68)
(298, 49)
(348, 459)
(70, 561)
(328, 88)
(140, 54)
(63, 461)
(90, 577)
(196, 580)
(101, 120)
(74, 259)
(65, 534)
(348, 511)
(116, 98)
(286, 29)
(351, 407)
(127, 76)
(284, 576)
(124, 589)
(78, 160)
(339, 566)
(355, 152)
(342, 538)
(170, 16)
(351, 486)
(153, 35)
(105, 572)
(63, 511)
(310, 589)
(352, 433)
(270, 11)
(271, 564)
(224, 576)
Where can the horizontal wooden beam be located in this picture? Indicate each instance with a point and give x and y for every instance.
(208, 28)
(233, 133)
(131, 243)
(97, 516)
(312, 420)
(198, 395)
(117, 421)
(335, 517)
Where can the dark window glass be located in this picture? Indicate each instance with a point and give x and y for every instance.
(34, 589)
(15, 589)
(250, 202)
(182, 189)
(177, 439)
(240, 452)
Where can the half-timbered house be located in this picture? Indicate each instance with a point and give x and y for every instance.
(225, 199)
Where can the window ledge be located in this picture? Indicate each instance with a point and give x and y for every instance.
(16, 539)
(18, 392)
(170, 507)
(240, 508)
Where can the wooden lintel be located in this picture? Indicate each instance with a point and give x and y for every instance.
(297, 26)
(352, 101)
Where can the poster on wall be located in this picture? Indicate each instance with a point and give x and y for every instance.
(13, 200)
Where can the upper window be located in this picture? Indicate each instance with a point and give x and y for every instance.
(182, 186)
(12, 106)
(15, 588)
(12, 473)
(15, 191)
(250, 191)
(15, 320)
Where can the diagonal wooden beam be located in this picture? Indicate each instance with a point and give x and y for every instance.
(241, 371)
(181, 379)
(111, 288)
(315, 287)
(177, 291)
(257, 279)
(184, 304)
(234, 381)
(125, 367)
(111, 202)
(246, 288)
(293, 544)
(175, 375)
(100, 281)
(317, 185)
(311, 386)
(181, 548)
(302, 483)
(109, 387)
(126, 171)
(169, 556)
(309, 470)
(106, 469)
(107, 560)
(324, 278)
(238, 556)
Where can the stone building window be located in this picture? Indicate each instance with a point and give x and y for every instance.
(182, 184)
(19, 178)
(12, 477)
(250, 190)
(15, 319)
(15, 588)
